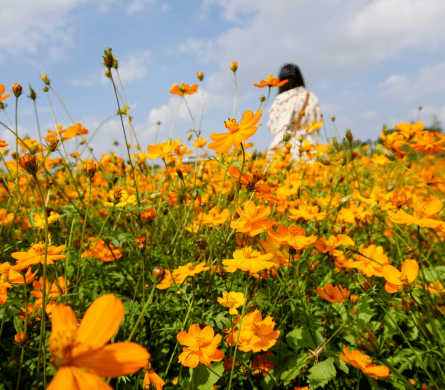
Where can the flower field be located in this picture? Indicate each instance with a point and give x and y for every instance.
(206, 264)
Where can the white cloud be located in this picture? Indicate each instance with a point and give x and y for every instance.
(135, 66)
(139, 6)
(41, 30)
(429, 80)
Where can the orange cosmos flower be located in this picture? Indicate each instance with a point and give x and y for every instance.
(36, 255)
(307, 212)
(364, 363)
(294, 236)
(180, 274)
(434, 288)
(421, 215)
(8, 276)
(72, 131)
(183, 89)
(120, 198)
(427, 142)
(151, 378)
(400, 280)
(232, 300)
(213, 217)
(3, 144)
(257, 334)
(253, 220)
(261, 364)
(271, 82)
(80, 353)
(201, 346)
(372, 261)
(2, 90)
(334, 293)
(409, 129)
(237, 132)
(324, 246)
(52, 292)
(160, 150)
(248, 260)
(314, 126)
(101, 251)
(250, 181)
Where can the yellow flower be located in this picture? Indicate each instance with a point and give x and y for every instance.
(400, 280)
(249, 260)
(201, 346)
(237, 132)
(421, 216)
(183, 89)
(160, 150)
(232, 300)
(2, 90)
(36, 255)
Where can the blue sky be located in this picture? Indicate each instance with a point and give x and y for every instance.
(369, 62)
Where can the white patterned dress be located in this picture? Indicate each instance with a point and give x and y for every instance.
(285, 111)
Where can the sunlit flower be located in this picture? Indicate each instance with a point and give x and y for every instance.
(160, 150)
(294, 236)
(364, 363)
(3, 144)
(434, 288)
(53, 291)
(370, 261)
(252, 220)
(271, 82)
(39, 219)
(408, 130)
(9, 276)
(183, 89)
(248, 260)
(120, 198)
(72, 131)
(201, 346)
(334, 293)
(80, 353)
(250, 181)
(36, 255)
(180, 274)
(237, 132)
(324, 246)
(421, 215)
(401, 280)
(314, 126)
(232, 300)
(257, 334)
(307, 212)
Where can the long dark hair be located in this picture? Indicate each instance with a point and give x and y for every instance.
(292, 73)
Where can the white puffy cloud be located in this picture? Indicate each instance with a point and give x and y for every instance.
(139, 6)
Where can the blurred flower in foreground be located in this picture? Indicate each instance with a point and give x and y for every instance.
(201, 346)
(237, 132)
(80, 352)
(364, 363)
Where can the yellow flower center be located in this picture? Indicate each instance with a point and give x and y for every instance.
(247, 252)
(230, 302)
(419, 210)
(38, 248)
(61, 345)
(294, 230)
(231, 125)
(4, 272)
(366, 360)
(200, 341)
(251, 211)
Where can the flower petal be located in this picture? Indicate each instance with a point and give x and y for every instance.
(71, 378)
(114, 360)
(101, 321)
(63, 317)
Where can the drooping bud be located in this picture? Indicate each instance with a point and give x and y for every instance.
(32, 94)
(90, 169)
(45, 78)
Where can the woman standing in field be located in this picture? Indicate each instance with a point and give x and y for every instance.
(293, 108)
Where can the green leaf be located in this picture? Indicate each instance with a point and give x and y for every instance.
(286, 370)
(201, 378)
(322, 373)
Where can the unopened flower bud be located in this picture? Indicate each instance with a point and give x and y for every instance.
(29, 163)
(367, 342)
(158, 272)
(390, 155)
(354, 298)
(90, 169)
(109, 59)
(200, 75)
(262, 99)
(32, 94)
(286, 137)
(234, 66)
(45, 78)
(333, 118)
(349, 135)
(107, 73)
(141, 242)
(17, 89)
(20, 338)
(45, 89)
